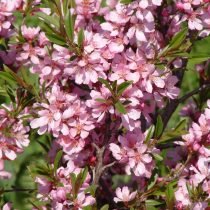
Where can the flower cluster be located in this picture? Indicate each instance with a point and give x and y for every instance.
(102, 79)
(62, 191)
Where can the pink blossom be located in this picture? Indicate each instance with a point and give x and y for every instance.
(82, 201)
(200, 206)
(29, 32)
(202, 170)
(134, 153)
(7, 206)
(100, 103)
(124, 195)
(182, 194)
(91, 65)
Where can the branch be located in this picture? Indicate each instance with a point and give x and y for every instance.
(194, 92)
(99, 169)
(99, 165)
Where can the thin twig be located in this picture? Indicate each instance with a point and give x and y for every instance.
(194, 92)
(99, 169)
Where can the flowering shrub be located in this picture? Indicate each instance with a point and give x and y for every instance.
(105, 104)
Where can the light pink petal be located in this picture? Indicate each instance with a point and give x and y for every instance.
(34, 59)
(84, 134)
(132, 195)
(146, 158)
(10, 154)
(65, 129)
(89, 200)
(159, 82)
(42, 130)
(73, 132)
(39, 122)
(119, 193)
(140, 36)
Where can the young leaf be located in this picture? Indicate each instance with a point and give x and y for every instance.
(8, 78)
(57, 160)
(120, 108)
(153, 179)
(81, 37)
(176, 41)
(106, 83)
(175, 133)
(150, 132)
(181, 125)
(56, 39)
(158, 127)
(125, 1)
(105, 207)
(157, 157)
(170, 196)
(69, 25)
(80, 180)
(122, 87)
(100, 100)
(153, 203)
(91, 189)
(200, 52)
(51, 20)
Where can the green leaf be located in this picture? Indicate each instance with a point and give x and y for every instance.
(125, 1)
(175, 42)
(69, 25)
(81, 37)
(178, 131)
(57, 160)
(157, 157)
(51, 20)
(151, 208)
(170, 196)
(150, 133)
(100, 100)
(56, 39)
(87, 208)
(16, 77)
(73, 178)
(11, 93)
(158, 127)
(91, 189)
(106, 83)
(181, 125)
(66, 4)
(8, 78)
(114, 86)
(122, 87)
(153, 179)
(178, 39)
(80, 178)
(120, 108)
(200, 52)
(153, 202)
(105, 207)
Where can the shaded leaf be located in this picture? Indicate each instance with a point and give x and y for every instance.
(120, 108)
(158, 127)
(122, 87)
(57, 160)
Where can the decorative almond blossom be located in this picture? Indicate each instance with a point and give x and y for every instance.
(104, 104)
(124, 195)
